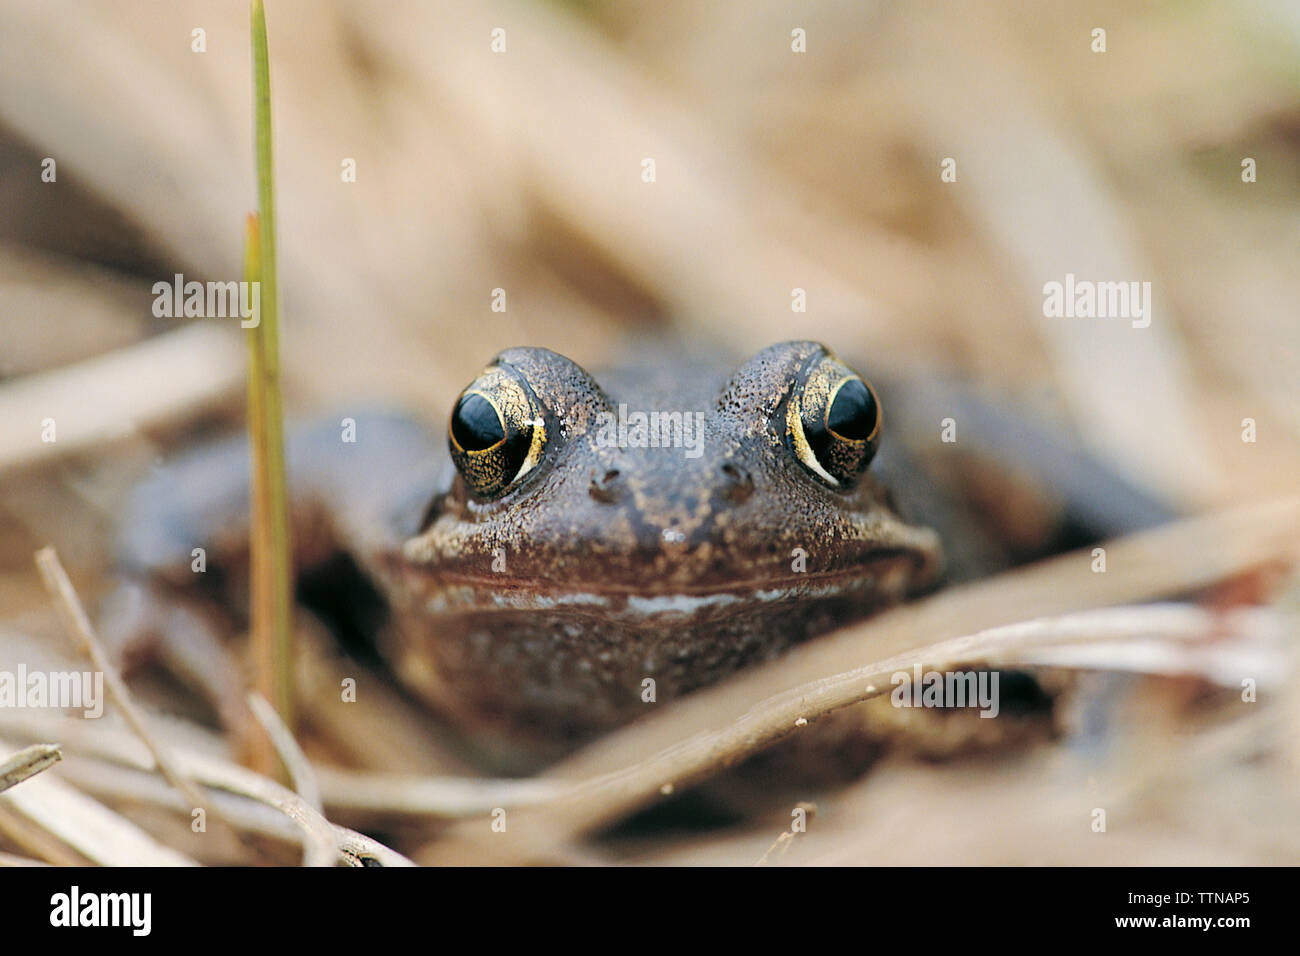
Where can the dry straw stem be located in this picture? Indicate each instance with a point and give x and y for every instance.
(72, 616)
(382, 795)
(718, 727)
(319, 845)
(379, 793)
(321, 838)
(9, 859)
(563, 114)
(27, 763)
(120, 785)
(76, 624)
(164, 379)
(46, 817)
(301, 774)
(781, 846)
(431, 797)
(777, 850)
(34, 839)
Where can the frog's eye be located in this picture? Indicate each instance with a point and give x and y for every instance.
(833, 422)
(497, 432)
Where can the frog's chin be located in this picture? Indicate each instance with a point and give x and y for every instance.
(573, 660)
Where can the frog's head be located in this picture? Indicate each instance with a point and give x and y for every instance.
(669, 493)
(669, 522)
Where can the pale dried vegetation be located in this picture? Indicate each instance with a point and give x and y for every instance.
(775, 171)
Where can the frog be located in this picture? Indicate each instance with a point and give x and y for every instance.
(576, 550)
(580, 566)
(558, 564)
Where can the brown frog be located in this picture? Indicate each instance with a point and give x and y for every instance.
(592, 544)
(574, 557)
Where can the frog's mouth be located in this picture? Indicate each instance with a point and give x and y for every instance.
(886, 578)
(671, 575)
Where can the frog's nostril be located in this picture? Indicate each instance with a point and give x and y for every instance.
(605, 485)
(738, 484)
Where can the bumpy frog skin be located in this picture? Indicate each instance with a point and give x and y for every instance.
(539, 608)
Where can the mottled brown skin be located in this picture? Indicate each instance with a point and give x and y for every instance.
(622, 564)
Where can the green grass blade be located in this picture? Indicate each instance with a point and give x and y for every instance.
(271, 595)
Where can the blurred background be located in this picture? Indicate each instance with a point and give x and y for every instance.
(774, 170)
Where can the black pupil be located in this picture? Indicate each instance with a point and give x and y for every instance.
(475, 424)
(853, 413)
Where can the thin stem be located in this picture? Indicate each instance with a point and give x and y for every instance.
(271, 561)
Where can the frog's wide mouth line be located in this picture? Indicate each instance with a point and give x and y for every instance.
(883, 574)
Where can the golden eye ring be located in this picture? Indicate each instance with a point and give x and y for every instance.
(496, 432)
(833, 422)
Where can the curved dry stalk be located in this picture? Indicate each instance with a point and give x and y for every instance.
(117, 784)
(301, 774)
(27, 763)
(323, 837)
(114, 782)
(320, 847)
(76, 624)
(445, 798)
(358, 848)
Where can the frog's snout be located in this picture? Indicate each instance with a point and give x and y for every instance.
(733, 484)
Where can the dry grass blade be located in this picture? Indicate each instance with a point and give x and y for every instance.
(118, 785)
(438, 797)
(33, 839)
(27, 763)
(160, 380)
(9, 859)
(53, 816)
(382, 793)
(76, 624)
(323, 839)
(114, 783)
(319, 846)
(781, 846)
(1217, 647)
(295, 761)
